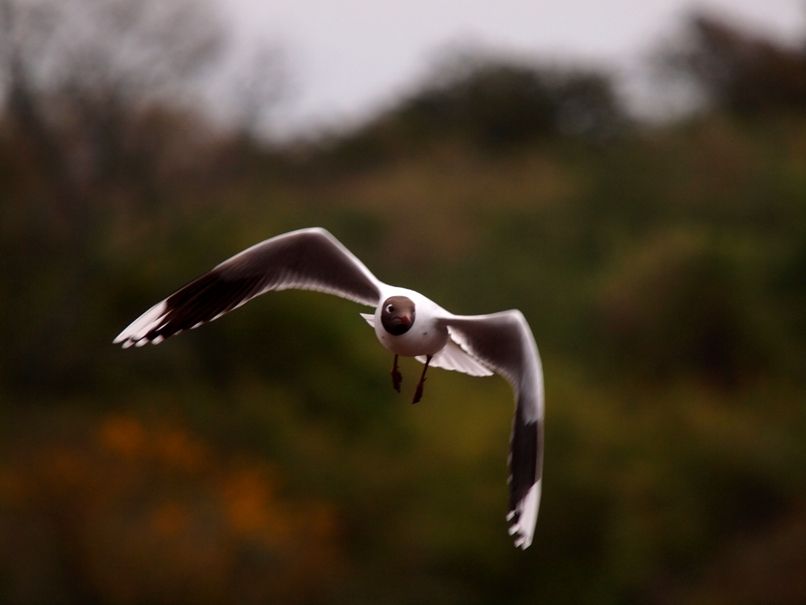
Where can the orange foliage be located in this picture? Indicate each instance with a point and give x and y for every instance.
(149, 512)
(121, 435)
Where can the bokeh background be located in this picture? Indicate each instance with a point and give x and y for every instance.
(658, 249)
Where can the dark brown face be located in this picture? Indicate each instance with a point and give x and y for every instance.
(397, 315)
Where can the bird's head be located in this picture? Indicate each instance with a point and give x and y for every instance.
(397, 315)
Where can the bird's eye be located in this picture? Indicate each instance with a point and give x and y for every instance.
(390, 308)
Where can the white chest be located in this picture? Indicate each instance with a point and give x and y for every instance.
(425, 337)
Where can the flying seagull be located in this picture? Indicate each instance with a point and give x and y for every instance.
(405, 322)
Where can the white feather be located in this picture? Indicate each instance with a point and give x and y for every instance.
(452, 357)
(142, 325)
(528, 507)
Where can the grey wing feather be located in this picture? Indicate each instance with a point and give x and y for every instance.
(307, 259)
(503, 341)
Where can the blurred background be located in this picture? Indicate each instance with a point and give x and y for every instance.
(634, 181)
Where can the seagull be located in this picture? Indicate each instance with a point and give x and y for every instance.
(405, 322)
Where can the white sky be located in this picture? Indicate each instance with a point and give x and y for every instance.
(349, 57)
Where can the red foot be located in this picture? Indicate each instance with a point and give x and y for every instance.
(397, 377)
(418, 393)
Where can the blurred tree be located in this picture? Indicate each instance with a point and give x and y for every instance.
(495, 105)
(101, 101)
(82, 75)
(676, 306)
(258, 87)
(504, 103)
(739, 70)
(85, 85)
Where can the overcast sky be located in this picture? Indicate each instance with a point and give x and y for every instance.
(349, 57)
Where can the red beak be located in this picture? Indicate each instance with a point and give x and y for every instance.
(403, 320)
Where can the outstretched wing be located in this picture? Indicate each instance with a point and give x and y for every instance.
(307, 259)
(503, 341)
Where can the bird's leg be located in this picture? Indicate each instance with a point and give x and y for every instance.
(418, 393)
(397, 378)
